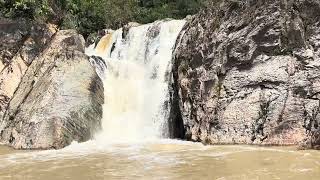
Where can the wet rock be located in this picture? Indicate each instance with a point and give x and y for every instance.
(21, 42)
(58, 100)
(126, 28)
(247, 72)
(315, 140)
(99, 64)
(94, 38)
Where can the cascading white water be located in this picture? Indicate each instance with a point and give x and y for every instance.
(136, 80)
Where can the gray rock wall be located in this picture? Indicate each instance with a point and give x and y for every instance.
(20, 43)
(248, 72)
(59, 99)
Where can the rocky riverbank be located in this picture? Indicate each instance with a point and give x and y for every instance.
(247, 72)
(50, 93)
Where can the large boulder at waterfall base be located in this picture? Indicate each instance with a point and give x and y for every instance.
(249, 73)
(20, 42)
(59, 99)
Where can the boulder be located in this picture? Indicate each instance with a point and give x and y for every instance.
(21, 42)
(59, 99)
(247, 72)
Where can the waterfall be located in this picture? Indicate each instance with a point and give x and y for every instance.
(135, 71)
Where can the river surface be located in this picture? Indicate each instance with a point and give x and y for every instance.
(162, 159)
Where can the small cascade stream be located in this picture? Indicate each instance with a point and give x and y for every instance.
(135, 66)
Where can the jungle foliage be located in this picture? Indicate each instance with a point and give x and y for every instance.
(88, 16)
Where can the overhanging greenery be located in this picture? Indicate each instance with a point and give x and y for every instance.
(88, 16)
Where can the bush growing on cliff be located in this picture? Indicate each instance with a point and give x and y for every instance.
(91, 15)
(25, 8)
(88, 16)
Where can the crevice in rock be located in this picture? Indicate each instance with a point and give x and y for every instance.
(177, 129)
(259, 124)
(310, 120)
(280, 119)
(265, 84)
(214, 123)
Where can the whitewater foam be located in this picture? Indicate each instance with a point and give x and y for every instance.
(136, 81)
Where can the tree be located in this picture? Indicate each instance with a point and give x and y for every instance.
(25, 8)
(89, 16)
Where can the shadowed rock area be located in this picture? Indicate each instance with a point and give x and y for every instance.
(59, 99)
(248, 73)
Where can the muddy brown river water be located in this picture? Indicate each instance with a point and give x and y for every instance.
(163, 159)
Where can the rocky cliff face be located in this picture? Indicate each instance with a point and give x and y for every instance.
(59, 99)
(248, 72)
(20, 42)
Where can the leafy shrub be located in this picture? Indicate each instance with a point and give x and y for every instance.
(89, 16)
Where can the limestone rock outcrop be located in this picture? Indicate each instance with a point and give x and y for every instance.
(59, 99)
(248, 72)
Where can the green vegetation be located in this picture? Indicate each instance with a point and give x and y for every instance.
(88, 16)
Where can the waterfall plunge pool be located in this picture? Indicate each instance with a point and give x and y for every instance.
(159, 159)
(132, 144)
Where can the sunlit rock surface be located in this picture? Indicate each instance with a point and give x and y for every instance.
(58, 100)
(248, 73)
(20, 42)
